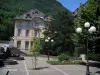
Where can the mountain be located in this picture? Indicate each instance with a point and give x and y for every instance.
(10, 8)
(46, 6)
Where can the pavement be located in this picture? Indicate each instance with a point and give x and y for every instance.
(25, 67)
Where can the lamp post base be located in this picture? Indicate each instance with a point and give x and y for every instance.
(48, 55)
(87, 70)
(87, 73)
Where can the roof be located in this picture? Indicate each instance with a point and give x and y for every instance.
(30, 15)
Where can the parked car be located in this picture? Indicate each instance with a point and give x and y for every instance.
(1, 56)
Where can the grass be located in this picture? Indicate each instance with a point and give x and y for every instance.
(52, 62)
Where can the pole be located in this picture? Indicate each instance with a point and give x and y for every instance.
(35, 61)
(87, 64)
(49, 50)
(48, 54)
(7, 73)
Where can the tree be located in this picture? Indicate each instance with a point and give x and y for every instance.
(89, 12)
(35, 49)
(6, 20)
(61, 29)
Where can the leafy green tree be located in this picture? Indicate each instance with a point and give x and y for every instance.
(89, 12)
(61, 29)
(6, 20)
(35, 49)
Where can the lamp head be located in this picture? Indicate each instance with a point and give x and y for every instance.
(92, 29)
(46, 40)
(87, 24)
(79, 30)
(55, 32)
(89, 31)
(52, 40)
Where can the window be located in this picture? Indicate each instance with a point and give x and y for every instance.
(35, 33)
(28, 15)
(32, 12)
(26, 45)
(36, 12)
(36, 23)
(18, 44)
(19, 32)
(18, 22)
(27, 33)
(28, 22)
(31, 43)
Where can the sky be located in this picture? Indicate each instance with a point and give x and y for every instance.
(72, 5)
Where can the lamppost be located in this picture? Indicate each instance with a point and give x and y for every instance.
(89, 30)
(49, 40)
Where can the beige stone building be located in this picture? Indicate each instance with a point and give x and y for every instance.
(27, 27)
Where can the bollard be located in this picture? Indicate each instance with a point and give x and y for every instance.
(7, 73)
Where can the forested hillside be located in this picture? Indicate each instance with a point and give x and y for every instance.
(10, 8)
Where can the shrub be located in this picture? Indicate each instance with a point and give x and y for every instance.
(63, 56)
(95, 57)
(63, 63)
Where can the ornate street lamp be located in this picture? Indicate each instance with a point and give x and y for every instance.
(49, 40)
(90, 30)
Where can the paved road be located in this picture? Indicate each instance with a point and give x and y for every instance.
(47, 69)
(18, 69)
(26, 68)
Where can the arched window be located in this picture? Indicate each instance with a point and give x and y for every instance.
(28, 15)
(36, 12)
(27, 33)
(36, 33)
(19, 32)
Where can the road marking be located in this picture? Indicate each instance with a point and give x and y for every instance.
(60, 70)
(26, 68)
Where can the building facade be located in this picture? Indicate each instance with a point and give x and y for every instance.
(27, 27)
(75, 13)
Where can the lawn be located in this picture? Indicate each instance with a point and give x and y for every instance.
(53, 62)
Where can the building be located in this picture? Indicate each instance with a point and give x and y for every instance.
(27, 27)
(75, 13)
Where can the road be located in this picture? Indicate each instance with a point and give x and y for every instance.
(26, 68)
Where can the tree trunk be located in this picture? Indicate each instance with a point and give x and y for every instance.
(35, 61)
(32, 62)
